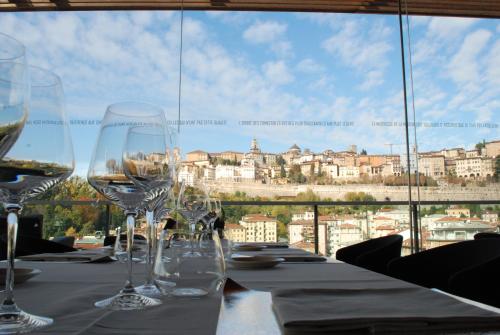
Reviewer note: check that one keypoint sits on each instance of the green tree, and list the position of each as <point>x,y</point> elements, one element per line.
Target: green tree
<point>481,145</point>
<point>295,175</point>
<point>363,152</point>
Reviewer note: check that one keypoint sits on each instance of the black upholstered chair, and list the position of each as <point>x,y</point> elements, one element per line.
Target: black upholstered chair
<point>433,268</point>
<point>480,236</point>
<point>372,254</point>
<point>68,241</point>
<point>479,283</point>
<point>110,240</point>
<point>28,245</point>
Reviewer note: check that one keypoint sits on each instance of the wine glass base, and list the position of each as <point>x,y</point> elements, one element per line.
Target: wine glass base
<point>189,292</point>
<point>15,321</point>
<point>149,290</point>
<point>127,302</point>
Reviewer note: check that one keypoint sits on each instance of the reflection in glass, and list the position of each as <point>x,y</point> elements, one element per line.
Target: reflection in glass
<point>41,158</point>
<point>14,91</point>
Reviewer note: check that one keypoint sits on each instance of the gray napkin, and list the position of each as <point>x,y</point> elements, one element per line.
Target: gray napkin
<point>75,256</point>
<point>414,310</point>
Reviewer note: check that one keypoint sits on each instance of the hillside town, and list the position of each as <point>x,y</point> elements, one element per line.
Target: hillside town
<point>337,231</point>
<point>297,166</point>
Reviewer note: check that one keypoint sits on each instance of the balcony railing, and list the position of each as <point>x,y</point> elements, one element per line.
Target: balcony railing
<point>413,211</point>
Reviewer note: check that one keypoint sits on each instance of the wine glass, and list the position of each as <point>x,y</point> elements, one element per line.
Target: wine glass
<point>14,91</point>
<point>146,162</point>
<point>192,205</point>
<point>180,274</point>
<point>41,158</point>
<point>107,175</point>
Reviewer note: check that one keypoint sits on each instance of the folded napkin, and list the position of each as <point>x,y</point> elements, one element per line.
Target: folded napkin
<point>296,257</point>
<point>86,256</point>
<point>412,310</point>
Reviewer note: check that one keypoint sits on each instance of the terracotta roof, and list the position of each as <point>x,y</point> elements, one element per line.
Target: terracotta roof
<point>301,222</point>
<point>385,228</point>
<point>233,226</point>
<point>257,217</point>
<point>382,218</point>
<point>451,219</point>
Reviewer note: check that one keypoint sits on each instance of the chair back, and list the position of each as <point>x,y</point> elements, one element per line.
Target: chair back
<point>373,254</point>
<point>110,240</point>
<point>480,236</point>
<point>68,241</point>
<point>433,268</point>
<point>27,245</point>
<point>479,283</point>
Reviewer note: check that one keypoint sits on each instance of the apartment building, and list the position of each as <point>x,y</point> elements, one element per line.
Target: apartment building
<point>474,167</point>
<point>260,228</point>
<point>342,235</point>
<point>197,155</point>
<point>303,231</point>
<point>452,229</point>
<point>458,212</point>
<point>432,166</point>
<point>492,149</point>
<point>235,232</point>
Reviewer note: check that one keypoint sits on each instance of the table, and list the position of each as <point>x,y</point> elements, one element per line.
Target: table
<point>67,291</point>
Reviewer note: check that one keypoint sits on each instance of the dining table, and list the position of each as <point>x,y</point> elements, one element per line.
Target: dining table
<point>66,292</point>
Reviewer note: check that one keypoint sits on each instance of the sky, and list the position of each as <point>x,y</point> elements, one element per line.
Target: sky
<point>332,80</point>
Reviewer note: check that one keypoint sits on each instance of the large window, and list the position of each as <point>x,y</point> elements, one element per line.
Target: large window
<point>295,106</point>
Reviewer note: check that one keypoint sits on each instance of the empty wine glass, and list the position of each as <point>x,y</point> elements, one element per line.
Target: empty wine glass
<point>192,206</point>
<point>41,158</point>
<point>14,91</point>
<point>107,175</point>
<point>146,162</point>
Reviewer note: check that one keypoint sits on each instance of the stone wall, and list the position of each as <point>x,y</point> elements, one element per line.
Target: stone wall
<point>394,193</point>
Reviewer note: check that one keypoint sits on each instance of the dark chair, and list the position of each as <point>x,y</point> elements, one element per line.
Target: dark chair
<point>68,241</point>
<point>479,283</point>
<point>433,268</point>
<point>110,240</point>
<point>27,245</point>
<point>480,236</point>
<point>372,254</point>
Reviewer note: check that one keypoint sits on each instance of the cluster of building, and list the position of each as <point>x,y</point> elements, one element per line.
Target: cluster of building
<point>258,166</point>
<point>476,163</point>
<point>338,231</point>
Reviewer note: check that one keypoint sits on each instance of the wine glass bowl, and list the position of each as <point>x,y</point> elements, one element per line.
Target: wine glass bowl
<point>14,91</point>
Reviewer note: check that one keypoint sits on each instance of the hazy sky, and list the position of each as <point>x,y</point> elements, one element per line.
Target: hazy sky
<point>341,71</point>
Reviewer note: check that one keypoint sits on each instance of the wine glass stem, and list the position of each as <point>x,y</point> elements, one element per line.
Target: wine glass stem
<point>192,226</point>
<point>150,241</point>
<point>12,220</point>
<point>130,244</point>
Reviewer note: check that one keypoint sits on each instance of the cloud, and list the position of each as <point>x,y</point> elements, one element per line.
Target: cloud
<point>309,66</point>
<point>362,47</point>
<point>277,73</point>
<point>447,28</point>
<point>463,67</point>
<point>270,33</point>
<point>264,32</point>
